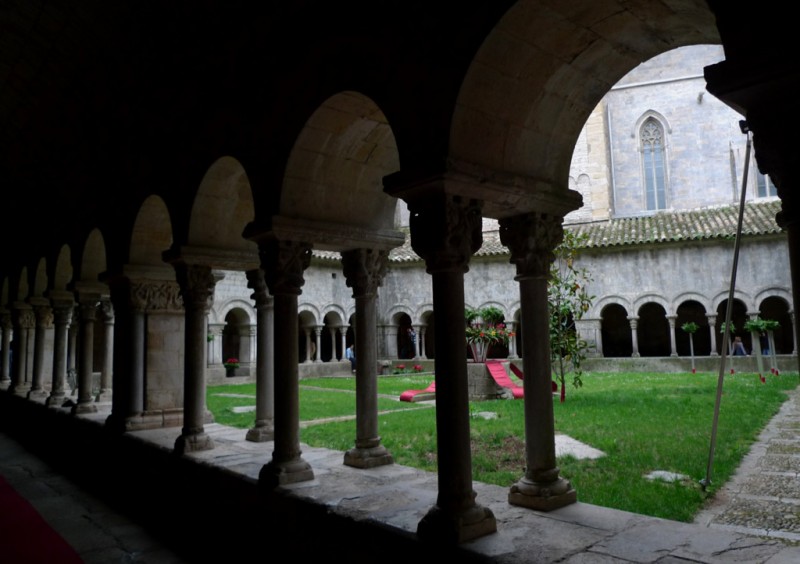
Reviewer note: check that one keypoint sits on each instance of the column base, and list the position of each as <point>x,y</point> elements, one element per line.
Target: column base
<point>56,399</point>
<point>21,391</point>
<point>443,527</point>
<point>85,407</point>
<point>103,396</point>
<point>260,434</point>
<point>194,442</point>
<point>37,395</point>
<point>5,384</point>
<point>274,474</point>
<point>542,496</point>
<point>367,457</point>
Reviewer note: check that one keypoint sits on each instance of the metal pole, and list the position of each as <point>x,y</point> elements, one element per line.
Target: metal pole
<point>707,480</point>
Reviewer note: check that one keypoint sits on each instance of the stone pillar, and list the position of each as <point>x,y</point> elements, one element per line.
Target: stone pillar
<point>5,361</point>
<point>343,340</point>
<point>307,331</point>
<point>44,320</point>
<point>794,334</point>
<point>264,427</point>
<point>512,341</point>
<point>445,232</point>
<point>417,340</point>
<point>283,263</point>
<point>364,270</point>
<point>106,371</point>
<point>87,303</point>
<point>673,346</point>
<point>532,239</point>
<point>712,326</point>
<point>318,343</point>
<point>62,317</point>
<point>423,353</point>
<point>72,350</point>
<point>197,289</point>
<point>214,341</point>
<point>24,321</point>
<point>390,331</point>
<point>634,321</point>
<point>129,304</point>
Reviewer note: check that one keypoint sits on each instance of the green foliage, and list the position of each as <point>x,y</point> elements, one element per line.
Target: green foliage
<point>690,327</point>
<point>485,328</point>
<point>761,326</point>
<point>568,300</point>
<point>722,328</point>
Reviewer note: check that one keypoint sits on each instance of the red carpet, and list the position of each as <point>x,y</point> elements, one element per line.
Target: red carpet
<point>408,395</point>
<point>500,376</point>
<point>25,537</point>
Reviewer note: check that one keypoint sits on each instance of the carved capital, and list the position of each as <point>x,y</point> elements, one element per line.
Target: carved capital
<point>446,231</point>
<point>44,316</point>
<point>63,314</point>
<point>155,296</point>
<point>258,283</point>
<point>88,311</point>
<point>532,239</point>
<point>197,284</point>
<point>5,320</point>
<point>364,270</point>
<point>25,318</point>
<point>107,310</point>
<point>283,263</point>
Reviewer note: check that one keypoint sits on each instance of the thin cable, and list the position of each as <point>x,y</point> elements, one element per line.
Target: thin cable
<point>725,335</point>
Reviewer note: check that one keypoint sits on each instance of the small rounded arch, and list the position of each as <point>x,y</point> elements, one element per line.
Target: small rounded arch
<point>40,281</point>
<point>93,258</point>
<point>613,299</point>
<point>151,234</point>
<point>649,298</point>
<point>242,307</point>
<point>62,274</point>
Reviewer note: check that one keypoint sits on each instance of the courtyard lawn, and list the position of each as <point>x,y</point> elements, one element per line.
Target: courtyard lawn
<point>643,422</point>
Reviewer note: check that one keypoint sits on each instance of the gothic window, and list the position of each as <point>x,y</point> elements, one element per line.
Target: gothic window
<point>651,137</point>
<point>764,186</point>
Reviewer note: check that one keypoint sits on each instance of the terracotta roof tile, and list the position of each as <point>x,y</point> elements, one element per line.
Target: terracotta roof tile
<point>716,222</point>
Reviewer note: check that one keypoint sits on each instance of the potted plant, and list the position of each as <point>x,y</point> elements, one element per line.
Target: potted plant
<point>484,329</point>
<point>231,365</point>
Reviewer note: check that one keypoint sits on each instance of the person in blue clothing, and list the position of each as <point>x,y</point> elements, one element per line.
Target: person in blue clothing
<point>350,353</point>
<point>738,347</point>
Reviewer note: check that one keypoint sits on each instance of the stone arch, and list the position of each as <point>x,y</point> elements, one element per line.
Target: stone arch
<point>335,170</point>
<point>738,318</point>
<point>598,306</point>
<point>778,307</point>
<point>236,338</point>
<point>333,320</point>
<point>40,279</point>
<point>307,322</point>
<point>615,328</point>
<point>533,135</point>
<point>652,298</point>
<point>222,208</point>
<point>62,272</point>
<point>692,310</point>
<point>151,235</point>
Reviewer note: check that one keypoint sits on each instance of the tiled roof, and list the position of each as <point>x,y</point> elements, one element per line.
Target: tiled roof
<point>717,222</point>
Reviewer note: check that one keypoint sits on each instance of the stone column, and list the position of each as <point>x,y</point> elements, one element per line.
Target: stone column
<point>446,232</point>
<point>423,353</point>
<point>364,270</point>
<point>214,341</point>
<point>62,317</point>
<point>88,308</point>
<point>283,263</point>
<point>417,340</point>
<point>673,346</point>
<point>598,331</point>
<point>391,341</point>
<point>794,334</point>
<point>24,321</point>
<point>318,343</point>
<point>343,340</point>
<point>72,350</point>
<point>197,290</point>
<point>532,239</point>
<point>634,322</point>
<point>44,320</point>
<point>106,371</point>
<point>129,304</point>
<point>5,361</point>
<point>712,326</point>
<point>264,427</point>
<point>512,342</point>
<point>307,331</point>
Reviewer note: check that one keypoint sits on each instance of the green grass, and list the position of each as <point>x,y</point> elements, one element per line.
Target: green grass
<point>642,421</point>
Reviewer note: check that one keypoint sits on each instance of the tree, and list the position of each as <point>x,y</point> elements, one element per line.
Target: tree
<point>691,327</point>
<point>568,300</point>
